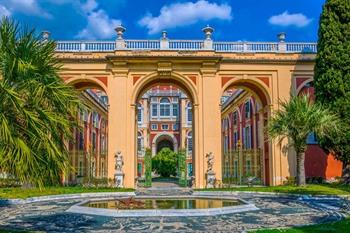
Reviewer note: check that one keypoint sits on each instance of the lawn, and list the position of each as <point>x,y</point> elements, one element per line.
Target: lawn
<point>313,189</point>
<point>341,226</point>
<point>8,193</point>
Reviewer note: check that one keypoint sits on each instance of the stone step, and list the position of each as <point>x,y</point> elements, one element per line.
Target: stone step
<point>163,191</point>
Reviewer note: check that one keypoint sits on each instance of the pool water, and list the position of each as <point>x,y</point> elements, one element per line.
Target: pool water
<point>163,203</point>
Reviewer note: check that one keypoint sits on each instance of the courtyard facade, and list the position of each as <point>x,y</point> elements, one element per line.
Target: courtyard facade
<point>205,71</point>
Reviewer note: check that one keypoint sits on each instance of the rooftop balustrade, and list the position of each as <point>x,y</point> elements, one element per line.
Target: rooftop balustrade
<point>184,45</point>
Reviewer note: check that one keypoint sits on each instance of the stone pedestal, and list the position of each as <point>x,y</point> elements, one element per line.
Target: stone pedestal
<point>211,179</point>
<point>119,179</point>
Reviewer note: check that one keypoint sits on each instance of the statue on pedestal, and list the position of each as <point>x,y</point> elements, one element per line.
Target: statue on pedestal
<point>119,175</point>
<point>210,173</point>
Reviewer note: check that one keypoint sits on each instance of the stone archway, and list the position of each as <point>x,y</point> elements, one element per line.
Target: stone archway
<point>183,83</point>
<point>83,83</point>
<point>261,92</point>
<point>166,137</point>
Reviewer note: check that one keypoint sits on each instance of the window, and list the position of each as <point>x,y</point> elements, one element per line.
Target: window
<point>226,143</point>
<point>81,141</point>
<point>154,126</point>
<point>139,142</point>
<point>103,144</point>
<point>176,126</point>
<point>247,109</point>
<point>235,118</point>
<point>175,110</point>
<point>154,110</point>
<point>93,141</point>
<point>164,109</point>
<point>95,119</point>
<point>83,115</point>
<point>235,139</point>
<point>189,113</point>
<point>165,127</point>
<point>189,143</point>
<point>247,137</point>
<point>139,113</point>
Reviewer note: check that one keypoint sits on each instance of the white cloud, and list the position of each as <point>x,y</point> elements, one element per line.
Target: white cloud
<point>29,7</point>
<point>99,24</point>
<point>4,11</point>
<point>89,6</point>
<point>286,19</point>
<point>184,14</point>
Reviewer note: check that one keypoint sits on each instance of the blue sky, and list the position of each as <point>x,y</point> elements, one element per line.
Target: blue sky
<point>233,20</point>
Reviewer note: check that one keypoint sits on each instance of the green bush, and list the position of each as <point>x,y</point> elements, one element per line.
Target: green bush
<point>290,180</point>
<point>165,162</point>
<point>314,180</point>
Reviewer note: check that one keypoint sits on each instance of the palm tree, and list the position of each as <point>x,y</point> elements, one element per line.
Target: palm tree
<point>37,110</point>
<point>296,120</point>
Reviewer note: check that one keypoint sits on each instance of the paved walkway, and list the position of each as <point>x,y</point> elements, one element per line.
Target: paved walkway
<point>274,211</point>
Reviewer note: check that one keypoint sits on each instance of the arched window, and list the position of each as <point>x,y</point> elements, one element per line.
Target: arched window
<point>247,109</point>
<point>95,119</point>
<point>164,108</point>
<point>189,143</point>
<point>139,113</point>
<point>189,113</point>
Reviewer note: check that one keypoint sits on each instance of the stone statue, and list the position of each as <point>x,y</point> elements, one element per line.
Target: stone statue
<point>118,161</point>
<point>119,175</point>
<point>210,162</point>
<point>211,179</point>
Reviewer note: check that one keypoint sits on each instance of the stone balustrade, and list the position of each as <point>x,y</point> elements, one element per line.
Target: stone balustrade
<point>207,44</point>
<point>186,45</point>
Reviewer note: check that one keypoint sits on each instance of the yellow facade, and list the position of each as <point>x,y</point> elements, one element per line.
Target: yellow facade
<point>203,75</point>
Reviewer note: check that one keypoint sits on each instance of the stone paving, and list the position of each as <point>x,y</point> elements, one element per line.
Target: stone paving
<point>274,211</point>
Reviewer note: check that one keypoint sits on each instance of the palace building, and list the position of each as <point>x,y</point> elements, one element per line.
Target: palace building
<point>88,150</point>
<point>164,117</point>
<point>213,99</point>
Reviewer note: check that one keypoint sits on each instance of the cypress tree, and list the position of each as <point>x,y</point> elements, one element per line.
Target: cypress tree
<point>332,75</point>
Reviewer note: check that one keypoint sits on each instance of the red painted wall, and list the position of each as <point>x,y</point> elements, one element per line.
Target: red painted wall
<point>319,164</point>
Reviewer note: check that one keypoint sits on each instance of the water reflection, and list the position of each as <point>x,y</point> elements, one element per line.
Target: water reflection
<point>189,203</point>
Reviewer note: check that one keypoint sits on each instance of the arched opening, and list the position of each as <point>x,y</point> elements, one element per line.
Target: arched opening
<point>166,119</point>
<point>245,145</point>
<point>165,143</point>
<point>88,148</point>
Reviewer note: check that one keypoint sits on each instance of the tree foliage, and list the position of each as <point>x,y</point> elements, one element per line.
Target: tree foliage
<point>164,162</point>
<point>148,167</point>
<point>37,110</point>
<point>332,72</point>
<point>182,167</point>
<point>296,120</point>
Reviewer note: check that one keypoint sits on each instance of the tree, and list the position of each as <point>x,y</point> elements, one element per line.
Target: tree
<point>296,120</point>
<point>148,167</point>
<point>37,110</point>
<point>181,155</point>
<point>164,162</point>
<point>332,74</point>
